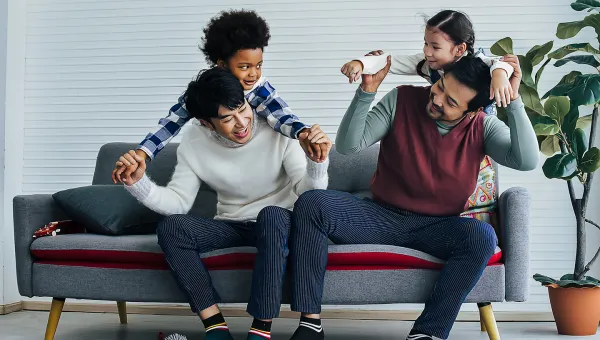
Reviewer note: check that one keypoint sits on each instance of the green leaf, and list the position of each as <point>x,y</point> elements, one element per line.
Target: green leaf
<point>544,279</point>
<point>531,99</point>
<point>570,29</point>
<point>579,59</point>
<point>570,122</point>
<point>537,53</point>
<point>550,146</point>
<point>502,47</point>
<point>591,160</point>
<point>544,126</point>
<point>526,71</point>
<point>580,144</point>
<point>558,90</point>
<point>582,5</point>
<point>557,108</point>
<point>571,48</point>
<point>586,89</point>
<point>560,166</point>
<point>584,122</point>
<point>538,74</point>
<point>569,78</point>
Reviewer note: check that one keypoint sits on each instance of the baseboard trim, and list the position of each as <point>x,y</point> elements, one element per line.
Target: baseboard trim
<point>149,309</point>
<point>11,308</point>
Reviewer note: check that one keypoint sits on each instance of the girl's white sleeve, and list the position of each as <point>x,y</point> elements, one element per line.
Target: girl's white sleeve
<point>401,64</point>
<point>495,63</point>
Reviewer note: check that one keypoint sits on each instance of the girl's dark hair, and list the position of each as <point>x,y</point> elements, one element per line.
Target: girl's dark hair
<point>457,26</point>
<point>231,31</point>
<point>213,88</point>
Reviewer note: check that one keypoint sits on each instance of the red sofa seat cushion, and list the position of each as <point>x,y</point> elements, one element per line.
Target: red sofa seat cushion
<point>143,252</point>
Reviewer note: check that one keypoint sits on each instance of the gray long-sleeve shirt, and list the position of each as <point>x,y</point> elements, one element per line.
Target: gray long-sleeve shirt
<point>514,146</point>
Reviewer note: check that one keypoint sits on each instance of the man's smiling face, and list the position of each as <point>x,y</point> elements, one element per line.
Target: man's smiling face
<point>449,100</point>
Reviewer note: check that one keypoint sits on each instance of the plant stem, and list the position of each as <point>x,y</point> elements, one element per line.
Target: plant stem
<point>570,184</point>
<point>580,212</point>
<point>589,265</point>
<point>592,223</point>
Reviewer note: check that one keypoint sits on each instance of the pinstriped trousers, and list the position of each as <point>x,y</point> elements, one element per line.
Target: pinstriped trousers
<point>183,238</point>
<point>465,243</point>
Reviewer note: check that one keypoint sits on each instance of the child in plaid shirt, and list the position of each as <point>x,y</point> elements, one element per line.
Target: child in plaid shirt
<point>235,40</point>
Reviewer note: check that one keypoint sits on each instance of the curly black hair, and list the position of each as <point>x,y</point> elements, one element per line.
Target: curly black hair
<point>231,31</point>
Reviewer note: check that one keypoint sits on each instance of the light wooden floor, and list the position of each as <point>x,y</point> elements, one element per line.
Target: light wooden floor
<point>94,326</point>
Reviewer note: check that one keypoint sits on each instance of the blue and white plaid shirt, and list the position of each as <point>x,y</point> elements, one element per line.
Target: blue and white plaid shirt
<point>263,99</point>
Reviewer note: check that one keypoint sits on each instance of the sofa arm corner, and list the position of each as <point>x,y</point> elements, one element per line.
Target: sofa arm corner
<point>514,216</point>
<point>30,212</point>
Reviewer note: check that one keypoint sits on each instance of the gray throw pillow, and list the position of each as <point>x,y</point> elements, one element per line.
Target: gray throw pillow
<point>107,210</point>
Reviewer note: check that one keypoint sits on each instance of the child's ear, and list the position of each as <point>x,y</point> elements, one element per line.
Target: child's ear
<point>221,63</point>
<point>461,49</point>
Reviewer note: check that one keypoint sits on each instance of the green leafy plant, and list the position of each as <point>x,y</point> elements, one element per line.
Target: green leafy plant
<point>557,122</point>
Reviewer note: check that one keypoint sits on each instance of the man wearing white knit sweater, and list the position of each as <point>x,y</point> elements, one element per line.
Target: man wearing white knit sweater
<point>257,173</point>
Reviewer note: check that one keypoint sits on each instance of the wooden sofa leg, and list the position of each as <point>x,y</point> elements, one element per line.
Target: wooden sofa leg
<point>55,311</point>
<point>488,321</point>
<point>122,307</point>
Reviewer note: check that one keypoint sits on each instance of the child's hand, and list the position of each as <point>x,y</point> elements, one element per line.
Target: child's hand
<point>501,88</point>
<point>131,163</point>
<point>515,78</point>
<point>352,70</point>
<point>315,143</point>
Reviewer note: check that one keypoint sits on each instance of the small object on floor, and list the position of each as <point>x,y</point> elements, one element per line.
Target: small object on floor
<point>260,330</point>
<point>309,329</point>
<point>174,336</point>
<point>413,335</point>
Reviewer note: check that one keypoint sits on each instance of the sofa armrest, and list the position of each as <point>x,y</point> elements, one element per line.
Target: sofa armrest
<point>514,207</point>
<point>30,213</point>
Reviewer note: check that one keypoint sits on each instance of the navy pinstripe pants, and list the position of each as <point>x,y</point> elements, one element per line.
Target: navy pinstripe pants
<point>466,244</point>
<point>183,238</point>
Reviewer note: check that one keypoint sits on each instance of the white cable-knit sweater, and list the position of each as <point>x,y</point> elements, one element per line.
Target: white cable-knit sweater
<point>270,169</point>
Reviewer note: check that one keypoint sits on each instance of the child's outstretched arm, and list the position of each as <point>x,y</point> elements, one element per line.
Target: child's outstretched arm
<point>375,61</point>
<point>168,127</point>
<point>267,103</point>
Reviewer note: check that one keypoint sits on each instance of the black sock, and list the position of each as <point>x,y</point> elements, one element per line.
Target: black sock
<point>416,335</point>
<point>309,329</point>
<point>216,328</point>
<point>260,330</point>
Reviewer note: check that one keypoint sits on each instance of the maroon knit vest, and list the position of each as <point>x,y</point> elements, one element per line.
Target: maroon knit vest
<point>421,171</point>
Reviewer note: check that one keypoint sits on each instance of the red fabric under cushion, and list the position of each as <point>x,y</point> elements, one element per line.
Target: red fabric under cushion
<point>148,260</point>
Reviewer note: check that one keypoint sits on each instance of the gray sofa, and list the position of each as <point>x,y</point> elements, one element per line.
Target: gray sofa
<point>132,268</point>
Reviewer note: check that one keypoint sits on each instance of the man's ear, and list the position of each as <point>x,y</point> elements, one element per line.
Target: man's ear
<point>207,124</point>
<point>474,114</point>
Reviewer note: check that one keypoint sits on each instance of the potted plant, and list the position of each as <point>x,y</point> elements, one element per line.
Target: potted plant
<point>572,156</point>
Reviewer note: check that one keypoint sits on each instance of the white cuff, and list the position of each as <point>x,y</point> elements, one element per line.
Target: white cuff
<point>316,170</point>
<point>374,63</point>
<point>141,189</point>
<point>502,65</point>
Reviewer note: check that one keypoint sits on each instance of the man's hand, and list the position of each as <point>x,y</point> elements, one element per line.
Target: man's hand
<point>315,143</point>
<point>371,82</point>
<point>515,79</point>
<point>130,167</point>
<point>501,88</point>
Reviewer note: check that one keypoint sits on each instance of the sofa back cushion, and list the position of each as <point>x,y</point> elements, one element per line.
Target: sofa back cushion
<point>346,173</point>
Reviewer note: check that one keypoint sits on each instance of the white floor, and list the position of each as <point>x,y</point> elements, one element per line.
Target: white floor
<point>88,326</point>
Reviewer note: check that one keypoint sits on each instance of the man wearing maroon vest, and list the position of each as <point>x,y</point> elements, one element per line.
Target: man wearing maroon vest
<point>433,140</point>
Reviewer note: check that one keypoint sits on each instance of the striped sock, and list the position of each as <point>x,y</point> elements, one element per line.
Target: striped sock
<point>415,335</point>
<point>260,330</point>
<point>216,328</point>
<point>309,329</point>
